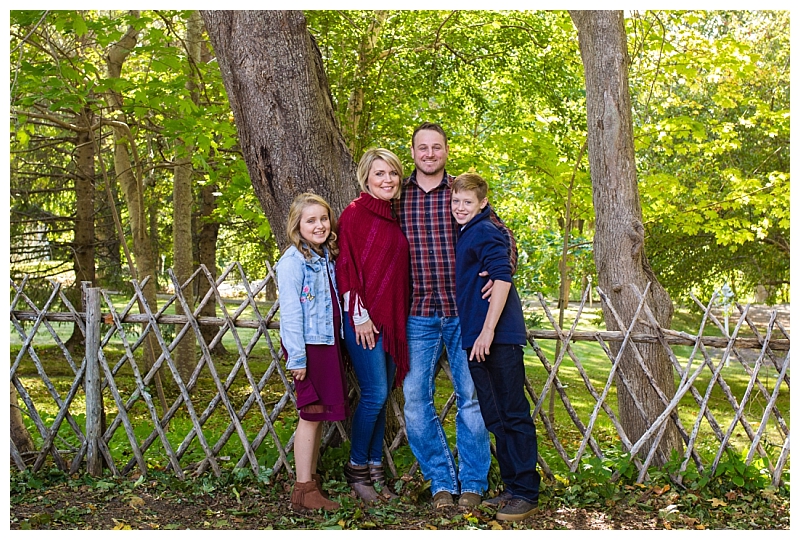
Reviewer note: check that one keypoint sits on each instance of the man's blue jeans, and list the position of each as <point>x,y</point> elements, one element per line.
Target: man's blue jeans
<point>500,382</point>
<point>375,373</point>
<point>426,337</point>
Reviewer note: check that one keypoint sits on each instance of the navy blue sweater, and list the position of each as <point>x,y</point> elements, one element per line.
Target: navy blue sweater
<point>481,246</point>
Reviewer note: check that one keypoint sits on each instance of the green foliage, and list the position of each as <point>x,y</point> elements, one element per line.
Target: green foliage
<point>506,86</point>
<point>59,70</point>
<point>711,104</point>
<point>710,94</point>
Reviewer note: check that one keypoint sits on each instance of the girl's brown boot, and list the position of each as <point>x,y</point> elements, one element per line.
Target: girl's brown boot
<point>318,480</point>
<point>306,496</point>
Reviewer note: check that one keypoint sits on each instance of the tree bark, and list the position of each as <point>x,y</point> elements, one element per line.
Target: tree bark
<point>282,106</point>
<point>128,172</point>
<point>19,434</point>
<point>281,103</point>
<point>182,202</point>
<point>83,244</point>
<point>619,235</point>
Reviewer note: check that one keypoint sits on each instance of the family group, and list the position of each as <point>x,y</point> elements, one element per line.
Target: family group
<point>414,266</point>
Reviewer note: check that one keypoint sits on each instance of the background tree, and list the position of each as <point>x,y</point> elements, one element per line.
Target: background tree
<point>182,199</point>
<point>619,234</point>
<point>69,196</point>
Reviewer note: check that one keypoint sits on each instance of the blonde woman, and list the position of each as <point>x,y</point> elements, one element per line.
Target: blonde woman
<point>373,276</point>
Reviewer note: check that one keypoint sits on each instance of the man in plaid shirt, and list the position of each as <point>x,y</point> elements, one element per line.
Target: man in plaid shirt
<point>431,230</point>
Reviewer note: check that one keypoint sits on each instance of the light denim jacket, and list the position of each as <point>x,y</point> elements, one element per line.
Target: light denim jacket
<point>305,303</point>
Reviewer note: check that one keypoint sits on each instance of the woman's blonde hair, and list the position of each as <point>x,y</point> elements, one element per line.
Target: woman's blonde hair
<point>300,203</point>
<point>369,157</point>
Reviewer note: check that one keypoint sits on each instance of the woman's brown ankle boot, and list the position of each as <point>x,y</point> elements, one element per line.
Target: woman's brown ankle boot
<point>360,482</point>
<point>306,496</point>
<point>377,477</point>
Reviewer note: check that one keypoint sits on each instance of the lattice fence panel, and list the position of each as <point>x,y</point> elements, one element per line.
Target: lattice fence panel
<point>239,408</point>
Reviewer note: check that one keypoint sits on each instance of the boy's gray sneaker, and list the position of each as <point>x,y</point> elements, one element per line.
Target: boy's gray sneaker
<point>504,496</point>
<point>516,510</point>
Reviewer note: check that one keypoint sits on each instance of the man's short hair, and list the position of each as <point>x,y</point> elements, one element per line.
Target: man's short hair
<point>471,182</point>
<point>431,126</point>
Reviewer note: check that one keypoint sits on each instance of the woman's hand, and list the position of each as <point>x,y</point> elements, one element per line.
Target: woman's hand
<point>365,334</point>
<point>299,374</point>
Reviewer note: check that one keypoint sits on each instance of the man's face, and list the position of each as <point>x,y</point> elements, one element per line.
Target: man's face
<point>429,152</point>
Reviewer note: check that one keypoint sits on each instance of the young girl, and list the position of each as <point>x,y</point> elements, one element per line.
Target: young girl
<point>310,330</point>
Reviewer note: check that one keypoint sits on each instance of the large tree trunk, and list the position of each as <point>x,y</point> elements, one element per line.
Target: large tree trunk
<point>182,202</point>
<point>619,234</point>
<point>281,102</point>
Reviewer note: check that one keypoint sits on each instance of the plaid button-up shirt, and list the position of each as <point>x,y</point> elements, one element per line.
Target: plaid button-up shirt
<point>432,231</point>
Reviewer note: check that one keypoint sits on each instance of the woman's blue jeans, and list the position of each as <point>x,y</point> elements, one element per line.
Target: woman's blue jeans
<point>375,371</point>
<point>426,337</point>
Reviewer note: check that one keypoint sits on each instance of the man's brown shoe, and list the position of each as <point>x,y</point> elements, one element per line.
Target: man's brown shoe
<point>516,510</point>
<point>469,499</point>
<point>442,499</point>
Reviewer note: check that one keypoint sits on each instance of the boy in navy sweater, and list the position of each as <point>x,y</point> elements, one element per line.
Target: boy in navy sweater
<point>493,334</point>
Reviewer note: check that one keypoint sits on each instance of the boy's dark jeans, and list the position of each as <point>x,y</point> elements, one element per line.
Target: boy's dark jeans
<point>500,382</point>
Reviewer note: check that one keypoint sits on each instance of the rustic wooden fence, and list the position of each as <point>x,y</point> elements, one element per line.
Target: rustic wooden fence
<point>254,397</point>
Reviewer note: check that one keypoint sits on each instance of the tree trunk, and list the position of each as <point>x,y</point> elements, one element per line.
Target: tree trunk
<point>128,171</point>
<point>19,434</point>
<point>83,244</point>
<point>182,205</point>
<point>281,102</point>
<point>107,241</point>
<point>207,233</point>
<point>619,234</point>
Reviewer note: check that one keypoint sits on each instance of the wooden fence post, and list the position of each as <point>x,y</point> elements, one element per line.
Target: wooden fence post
<point>94,400</point>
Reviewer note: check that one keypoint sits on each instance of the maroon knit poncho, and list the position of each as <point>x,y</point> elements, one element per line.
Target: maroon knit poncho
<point>373,264</point>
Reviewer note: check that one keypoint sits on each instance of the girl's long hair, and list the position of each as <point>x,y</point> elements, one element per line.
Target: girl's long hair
<point>293,224</point>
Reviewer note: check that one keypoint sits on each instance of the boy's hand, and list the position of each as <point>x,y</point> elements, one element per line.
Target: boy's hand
<point>486,290</point>
<point>299,374</point>
<point>481,346</point>
<point>365,334</point>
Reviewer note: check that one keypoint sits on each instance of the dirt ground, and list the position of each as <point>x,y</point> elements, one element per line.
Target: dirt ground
<point>251,510</point>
